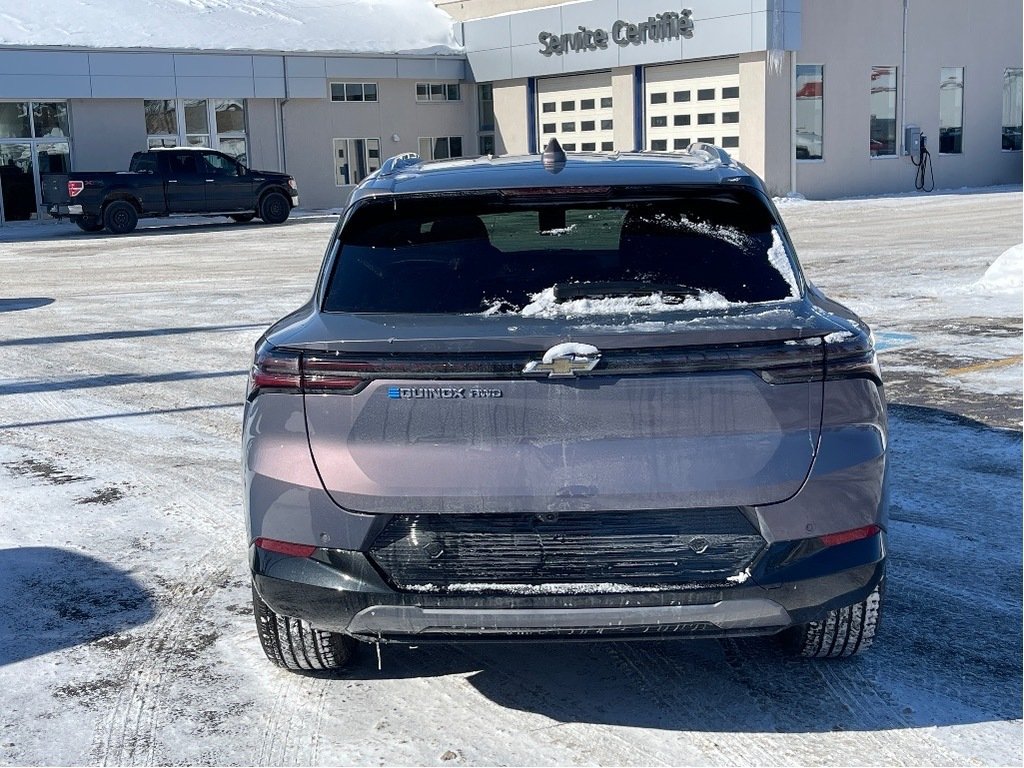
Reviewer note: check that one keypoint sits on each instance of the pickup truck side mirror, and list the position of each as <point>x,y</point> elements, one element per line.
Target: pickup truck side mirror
<point>242,170</point>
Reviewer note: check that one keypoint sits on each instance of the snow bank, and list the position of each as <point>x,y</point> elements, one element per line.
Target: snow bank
<point>356,26</point>
<point>1006,275</point>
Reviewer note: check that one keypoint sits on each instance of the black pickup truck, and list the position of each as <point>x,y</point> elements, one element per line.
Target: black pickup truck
<point>169,182</point>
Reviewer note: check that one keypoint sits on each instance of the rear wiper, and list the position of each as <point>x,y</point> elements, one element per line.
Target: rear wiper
<point>607,289</point>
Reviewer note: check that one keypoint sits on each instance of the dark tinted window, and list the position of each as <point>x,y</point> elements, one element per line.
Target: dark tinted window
<point>659,121</point>
<point>680,120</point>
<point>681,96</point>
<point>731,93</point>
<point>415,255</point>
<point>705,94</point>
<point>658,98</point>
<point>182,165</point>
<point>587,104</point>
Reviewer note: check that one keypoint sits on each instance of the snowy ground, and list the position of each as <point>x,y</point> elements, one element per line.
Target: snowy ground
<point>125,631</point>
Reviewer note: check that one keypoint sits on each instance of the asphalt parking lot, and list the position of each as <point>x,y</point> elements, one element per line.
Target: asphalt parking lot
<point>125,630</point>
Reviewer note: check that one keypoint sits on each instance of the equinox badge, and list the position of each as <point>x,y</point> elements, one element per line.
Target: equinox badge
<point>564,361</point>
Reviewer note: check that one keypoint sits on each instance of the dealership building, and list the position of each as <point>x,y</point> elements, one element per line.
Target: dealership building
<point>825,98</point>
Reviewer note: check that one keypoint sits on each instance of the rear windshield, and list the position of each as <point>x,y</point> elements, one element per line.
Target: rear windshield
<point>466,256</point>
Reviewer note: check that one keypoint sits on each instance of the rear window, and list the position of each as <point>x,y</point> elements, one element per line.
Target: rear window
<point>511,256</point>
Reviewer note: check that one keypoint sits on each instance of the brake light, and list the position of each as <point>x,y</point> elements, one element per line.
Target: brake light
<point>294,371</point>
<point>845,537</point>
<point>291,183</point>
<point>285,547</point>
<point>75,188</point>
<point>851,356</point>
<point>326,374</point>
<point>274,369</point>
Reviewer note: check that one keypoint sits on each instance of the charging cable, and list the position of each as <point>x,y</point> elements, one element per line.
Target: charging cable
<point>924,166</point>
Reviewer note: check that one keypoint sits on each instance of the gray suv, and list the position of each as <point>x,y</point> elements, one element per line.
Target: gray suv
<point>542,396</point>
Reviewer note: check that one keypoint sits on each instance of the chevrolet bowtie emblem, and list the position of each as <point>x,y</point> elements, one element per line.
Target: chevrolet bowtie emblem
<point>565,361</point>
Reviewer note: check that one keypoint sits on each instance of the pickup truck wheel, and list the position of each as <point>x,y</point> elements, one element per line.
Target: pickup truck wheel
<point>120,217</point>
<point>293,644</point>
<point>89,223</point>
<point>274,208</point>
<point>242,218</point>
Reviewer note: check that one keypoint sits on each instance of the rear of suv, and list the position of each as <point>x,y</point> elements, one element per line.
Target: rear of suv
<point>541,397</point>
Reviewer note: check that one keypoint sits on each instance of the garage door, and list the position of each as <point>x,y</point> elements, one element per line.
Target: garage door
<point>577,110</point>
<point>697,101</point>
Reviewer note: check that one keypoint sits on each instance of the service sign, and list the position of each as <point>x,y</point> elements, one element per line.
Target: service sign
<point>664,26</point>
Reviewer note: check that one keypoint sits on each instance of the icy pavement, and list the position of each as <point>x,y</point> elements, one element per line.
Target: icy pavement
<point>125,628</point>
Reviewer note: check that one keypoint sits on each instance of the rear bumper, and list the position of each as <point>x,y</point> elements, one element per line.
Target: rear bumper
<point>59,211</point>
<point>341,591</point>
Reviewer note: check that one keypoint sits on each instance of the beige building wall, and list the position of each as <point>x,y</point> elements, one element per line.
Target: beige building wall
<point>510,117</point>
<point>983,38</point>
<point>397,119</point>
<point>765,122</point>
<point>623,96</point>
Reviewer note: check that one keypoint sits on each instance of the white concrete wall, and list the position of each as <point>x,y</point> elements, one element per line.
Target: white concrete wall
<point>984,38</point>
<point>510,117</point>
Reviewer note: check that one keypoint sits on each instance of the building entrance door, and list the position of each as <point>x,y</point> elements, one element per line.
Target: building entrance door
<point>21,163</point>
<point>17,181</point>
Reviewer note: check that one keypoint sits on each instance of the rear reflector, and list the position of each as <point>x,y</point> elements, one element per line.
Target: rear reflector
<point>845,537</point>
<point>75,188</point>
<point>285,547</point>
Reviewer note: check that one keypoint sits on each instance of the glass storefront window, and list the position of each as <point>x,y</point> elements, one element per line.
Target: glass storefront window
<point>235,148</point>
<point>196,119</point>
<point>14,120</point>
<point>230,115</point>
<point>810,113</point>
<point>1012,112</point>
<point>54,158</point>
<point>882,138</point>
<point>161,117</point>
<point>50,118</point>
<point>951,111</point>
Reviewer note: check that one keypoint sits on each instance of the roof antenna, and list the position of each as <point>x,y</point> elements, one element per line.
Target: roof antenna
<point>554,156</point>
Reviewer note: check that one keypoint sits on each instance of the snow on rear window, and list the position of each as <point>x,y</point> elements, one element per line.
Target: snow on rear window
<point>779,259</point>
<point>545,305</point>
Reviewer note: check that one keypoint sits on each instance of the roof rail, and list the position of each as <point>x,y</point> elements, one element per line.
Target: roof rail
<point>712,152</point>
<point>395,164</point>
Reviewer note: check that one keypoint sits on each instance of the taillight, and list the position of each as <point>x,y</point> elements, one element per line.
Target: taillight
<point>294,371</point>
<point>291,183</point>
<point>327,374</point>
<point>845,537</point>
<point>285,547</point>
<point>75,188</point>
<point>276,369</point>
<point>851,356</point>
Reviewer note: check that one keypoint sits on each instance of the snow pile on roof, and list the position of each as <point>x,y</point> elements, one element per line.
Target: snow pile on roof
<point>352,26</point>
<point>1006,275</point>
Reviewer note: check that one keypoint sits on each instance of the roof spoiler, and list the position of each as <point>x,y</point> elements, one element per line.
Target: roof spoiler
<point>395,164</point>
<point>713,153</point>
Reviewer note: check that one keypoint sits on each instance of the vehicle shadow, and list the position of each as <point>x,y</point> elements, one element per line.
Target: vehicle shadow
<point>19,305</point>
<point>949,650</point>
<point>53,598</point>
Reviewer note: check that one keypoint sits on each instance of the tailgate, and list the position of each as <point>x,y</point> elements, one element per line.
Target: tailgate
<point>55,188</point>
<point>645,429</point>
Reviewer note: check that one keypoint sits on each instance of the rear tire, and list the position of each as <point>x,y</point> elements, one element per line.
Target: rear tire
<point>842,633</point>
<point>89,223</point>
<point>242,218</point>
<point>295,645</point>
<point>120,217</point>
<point>274,208</point>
